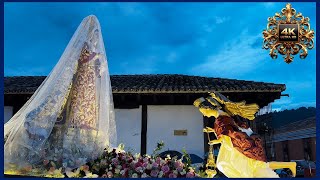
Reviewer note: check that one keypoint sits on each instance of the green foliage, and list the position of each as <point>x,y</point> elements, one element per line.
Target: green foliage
<point>158,148</point>
<point>121,146</point>
<point>202,174</point>
<point>187,157</point>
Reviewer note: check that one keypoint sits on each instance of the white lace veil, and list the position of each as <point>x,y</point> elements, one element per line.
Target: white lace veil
<point>69,120</point>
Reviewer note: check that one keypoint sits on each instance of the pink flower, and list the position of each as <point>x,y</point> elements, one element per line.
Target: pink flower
<point>179,169</point>
<point>158,160</point>
<point>189,175</point>
<point>178,164</point>
<point>165,169</point>
<point>51,169</point>
<point>110,174</point>
<point>171,175</point>
<point>144,165</point>
<point>86,168</point>
<point>155,165</point>
<point>45,162</point>
<point>154,173</point>
<point>145,159</point>
<point>115,161</point>
<point>138,164</point>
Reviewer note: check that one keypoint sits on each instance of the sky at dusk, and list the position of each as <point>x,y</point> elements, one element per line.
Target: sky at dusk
<point>204,39</point>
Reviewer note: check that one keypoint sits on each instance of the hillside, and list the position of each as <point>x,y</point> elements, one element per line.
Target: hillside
<point>281,118</point>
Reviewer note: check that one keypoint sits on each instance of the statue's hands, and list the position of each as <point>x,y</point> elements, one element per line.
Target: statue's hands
<point>209,130</point>
<point>216,141</point>
<point>100,65</point>
<point>97,56</point>
<point>212,95</point>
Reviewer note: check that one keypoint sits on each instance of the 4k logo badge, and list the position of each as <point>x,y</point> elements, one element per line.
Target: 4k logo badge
<point>288,33</point>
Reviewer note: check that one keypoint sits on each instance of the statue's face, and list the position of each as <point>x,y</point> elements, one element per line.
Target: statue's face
<point>209,112</point>
<point>93,41</point>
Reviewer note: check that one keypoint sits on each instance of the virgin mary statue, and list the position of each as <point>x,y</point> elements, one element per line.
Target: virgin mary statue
<point>69,120</point>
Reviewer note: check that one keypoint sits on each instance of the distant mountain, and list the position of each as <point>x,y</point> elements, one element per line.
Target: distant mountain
<point>281,118</point>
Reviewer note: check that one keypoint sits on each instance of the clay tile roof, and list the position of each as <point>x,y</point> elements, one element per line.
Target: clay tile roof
<point>154,83</point>
<point>297,125</point>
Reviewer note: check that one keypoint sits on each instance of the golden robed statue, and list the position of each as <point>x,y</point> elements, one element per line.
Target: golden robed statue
<point>241,154</point>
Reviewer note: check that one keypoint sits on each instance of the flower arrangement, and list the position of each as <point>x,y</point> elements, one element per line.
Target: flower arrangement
<point>116,163</point>
<point>120,164</point>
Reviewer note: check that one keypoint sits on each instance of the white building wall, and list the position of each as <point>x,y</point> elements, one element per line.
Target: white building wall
<point>163,120</point>
<point>128,122</point>
<point>7,113</point>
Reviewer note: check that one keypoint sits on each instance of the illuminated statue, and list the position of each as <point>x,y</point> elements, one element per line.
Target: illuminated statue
<point>241,153</point>
<point>69,120</point>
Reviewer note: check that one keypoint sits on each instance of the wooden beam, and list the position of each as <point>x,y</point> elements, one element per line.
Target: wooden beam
<point>144,123</point>
<point>171,99</point>
<point>188,99</point>
<point>123,99</point>
<point>138,98</point>
<point>155,99</point>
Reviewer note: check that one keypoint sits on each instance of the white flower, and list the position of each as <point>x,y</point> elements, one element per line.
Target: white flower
<point>145,159</point>
<point>137,155</point>
<point>90,175</point>
<point>134,175</point>
<point>71,174</point>
<point>139,169</point>
<point>162,162</point>
<point>160,174</point>
<point>183,172</point>
<point>135,161</point>
<point>120,151</point>
<point>149,166</point>
<point>175,172</point>
<point>122,172</point>
<point>144,175</point>
<point>117,171</point>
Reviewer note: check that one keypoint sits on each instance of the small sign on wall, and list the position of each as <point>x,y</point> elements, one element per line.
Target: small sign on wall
<point>183,132</point>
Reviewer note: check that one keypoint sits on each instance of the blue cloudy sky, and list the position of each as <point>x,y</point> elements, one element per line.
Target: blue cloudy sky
<point>206,39</point>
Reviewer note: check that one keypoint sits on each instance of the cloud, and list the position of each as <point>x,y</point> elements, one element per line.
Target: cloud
<point>172,57</point>
<point>268,4</point>
<point>143,38</point>
<point>22,71</point>
<point>220,20</point>
<point>142,66</point>
<point>297,105</point>
<point>131,9</point>
<point>236,57</point>
<point>282,101</point>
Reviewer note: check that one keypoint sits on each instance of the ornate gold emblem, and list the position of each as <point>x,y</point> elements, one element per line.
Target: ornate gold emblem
<point>288,33</point>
